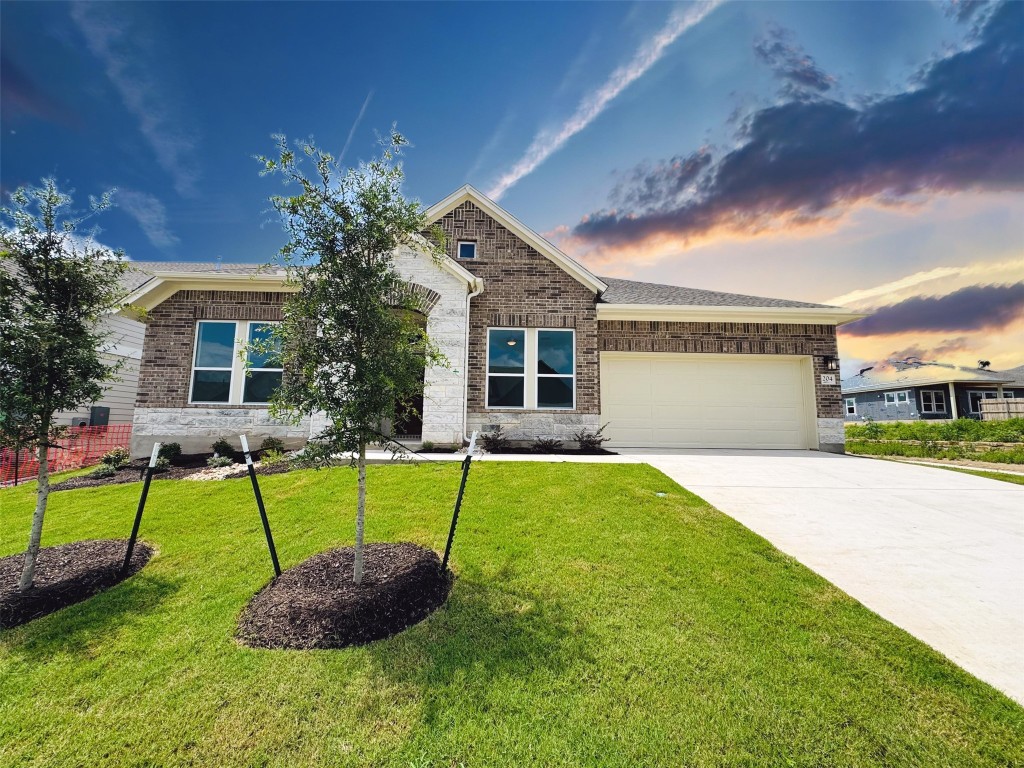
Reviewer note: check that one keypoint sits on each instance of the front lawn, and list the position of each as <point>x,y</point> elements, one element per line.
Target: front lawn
<point>592,623</point>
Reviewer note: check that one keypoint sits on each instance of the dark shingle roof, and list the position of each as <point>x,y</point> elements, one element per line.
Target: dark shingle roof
<point>634,292</point>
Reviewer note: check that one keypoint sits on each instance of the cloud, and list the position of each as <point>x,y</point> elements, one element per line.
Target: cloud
<point>973,308</point>
<point>800,74</point>
<point>124,55</point>
<point>150,214</point>
<point>19,94</point>
<point>593,104</point>
<point>355,125</point>
<point>806,162</point>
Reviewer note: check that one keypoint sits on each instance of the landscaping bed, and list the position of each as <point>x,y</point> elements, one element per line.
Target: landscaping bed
<point>316,604</point>
<point>64,575</point>
<point>184,467</point>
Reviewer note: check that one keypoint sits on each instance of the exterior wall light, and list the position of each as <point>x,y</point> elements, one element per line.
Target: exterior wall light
<point>831,363</point>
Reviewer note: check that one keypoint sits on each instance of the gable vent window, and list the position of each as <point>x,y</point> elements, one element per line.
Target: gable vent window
<point>466,249</point>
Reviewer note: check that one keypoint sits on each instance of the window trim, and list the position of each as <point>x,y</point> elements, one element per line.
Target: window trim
<point>236,385</point>
<point>934,408</point>
<point>458,250</point>
<point>194,367</point>
<point>848,403</point>
<point>531,377</point>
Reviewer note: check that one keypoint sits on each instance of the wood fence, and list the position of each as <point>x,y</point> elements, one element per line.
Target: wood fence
<point>1002,408</point>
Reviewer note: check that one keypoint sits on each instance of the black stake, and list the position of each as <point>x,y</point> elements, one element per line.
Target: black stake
<point>138,512</point>
<point>259,503</point>
<point>458,502</point>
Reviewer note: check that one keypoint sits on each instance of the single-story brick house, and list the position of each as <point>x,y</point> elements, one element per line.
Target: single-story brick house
<point>536,342</point>
<point>911,390</point>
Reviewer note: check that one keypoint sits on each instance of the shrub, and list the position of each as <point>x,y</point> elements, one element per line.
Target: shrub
<point>170,451</point>
<point>963,430</point>
<point>427,445</point>
<point>591,442</point>
<point>219,461</point>
<point>162,464</point>
<point>271,456</point>
<point>496,441</point>
<point>116,458</point>
<point>222,447</point>
<point>272,444</point>
<point>546,445</point>
<point>106,469</point>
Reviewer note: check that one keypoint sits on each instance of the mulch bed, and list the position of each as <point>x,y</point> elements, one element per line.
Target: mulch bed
<point>65,575</point>
<point>316,604</point>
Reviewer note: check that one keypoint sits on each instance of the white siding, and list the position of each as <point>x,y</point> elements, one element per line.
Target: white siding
<point>125,343</point>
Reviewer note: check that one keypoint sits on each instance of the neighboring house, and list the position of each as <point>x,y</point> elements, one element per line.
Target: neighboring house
<point>536,343</point>
<point>926,390</point>
<point>117,405</point>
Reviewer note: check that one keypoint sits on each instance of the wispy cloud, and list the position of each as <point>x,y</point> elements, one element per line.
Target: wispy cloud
<point>150,214</point>
<point>124,56</point>
<point>547,143</point>
<point>355,125</point>
<point>800,74</point>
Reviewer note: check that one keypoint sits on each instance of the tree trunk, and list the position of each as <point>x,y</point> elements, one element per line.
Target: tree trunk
<point>357,570</point>
<point>42,494</point>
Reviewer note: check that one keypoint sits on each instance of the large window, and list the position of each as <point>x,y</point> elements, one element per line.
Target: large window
<point>933,401</point>
<point>218,373</point>
<point>531,368</point>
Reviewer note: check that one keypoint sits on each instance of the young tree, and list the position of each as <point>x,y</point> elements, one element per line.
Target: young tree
<point>349,341</point>
<point>54,288</point>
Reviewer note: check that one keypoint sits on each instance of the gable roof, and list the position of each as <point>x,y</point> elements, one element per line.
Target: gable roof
<point>469,193</point>
<point>635,292</point>
<point>925,374</point>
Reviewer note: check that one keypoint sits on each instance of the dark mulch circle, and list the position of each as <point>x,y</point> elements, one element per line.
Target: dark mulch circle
<point>64,575</point>
<point>316,604</point>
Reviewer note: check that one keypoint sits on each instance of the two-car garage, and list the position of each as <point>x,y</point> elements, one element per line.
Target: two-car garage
<point>678,400</point>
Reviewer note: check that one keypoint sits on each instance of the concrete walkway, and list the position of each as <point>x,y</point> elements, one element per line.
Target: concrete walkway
<point>940,554</point>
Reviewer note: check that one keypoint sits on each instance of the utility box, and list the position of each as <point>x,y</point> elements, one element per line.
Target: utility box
<point>99,416</point>
<point>79,421</point>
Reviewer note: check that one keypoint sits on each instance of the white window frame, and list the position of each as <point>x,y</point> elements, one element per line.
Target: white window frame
<point>458,250</point>
<point>895,397</point>
<point>236,387</point>
<point>986,394</point>
<point>848,403</point>
<point>530,374</point>
<point>248,334</point>
<point>938,401</point>
<point>231,369</point>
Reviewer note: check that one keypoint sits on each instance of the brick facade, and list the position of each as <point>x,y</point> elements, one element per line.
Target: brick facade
<point>523,289</point>
<point>732,338</point>
<point>170,335</point>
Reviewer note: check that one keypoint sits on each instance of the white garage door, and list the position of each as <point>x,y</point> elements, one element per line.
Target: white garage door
<point>704,401</point>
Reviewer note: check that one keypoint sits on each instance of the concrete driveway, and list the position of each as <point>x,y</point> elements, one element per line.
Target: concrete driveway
<point>938,553</point>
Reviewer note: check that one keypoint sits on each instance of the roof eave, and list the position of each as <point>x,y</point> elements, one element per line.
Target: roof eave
<point>696,313</point>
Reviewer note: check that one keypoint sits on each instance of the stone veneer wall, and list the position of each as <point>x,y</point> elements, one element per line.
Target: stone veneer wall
<point>523,289</point>
<point>815,341</point>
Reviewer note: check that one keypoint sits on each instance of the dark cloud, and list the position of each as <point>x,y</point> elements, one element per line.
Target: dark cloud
<point>648,185</point>
<point>20,95</point>
<point>960,128</point>
<point>800,75</point>
<point>973,308</point>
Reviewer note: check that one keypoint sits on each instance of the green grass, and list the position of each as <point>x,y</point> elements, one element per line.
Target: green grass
<point>970,430</point>
<point>932,451</point>
<point>592,623</point>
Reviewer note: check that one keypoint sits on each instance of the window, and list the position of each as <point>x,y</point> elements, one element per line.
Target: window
<point>933,401</point>
<point>214,360</point>
<point>466,249</point>
<point>975,397</point>
<point>851,406</point>
<point>895,398</point>
<point>506,368</point>
<point>555,369</point>
<point>218,374</point>
<point>531,368</point>
<point>264,374</point>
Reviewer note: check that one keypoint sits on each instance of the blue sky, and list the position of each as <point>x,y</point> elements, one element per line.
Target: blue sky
<point>819,151</point>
